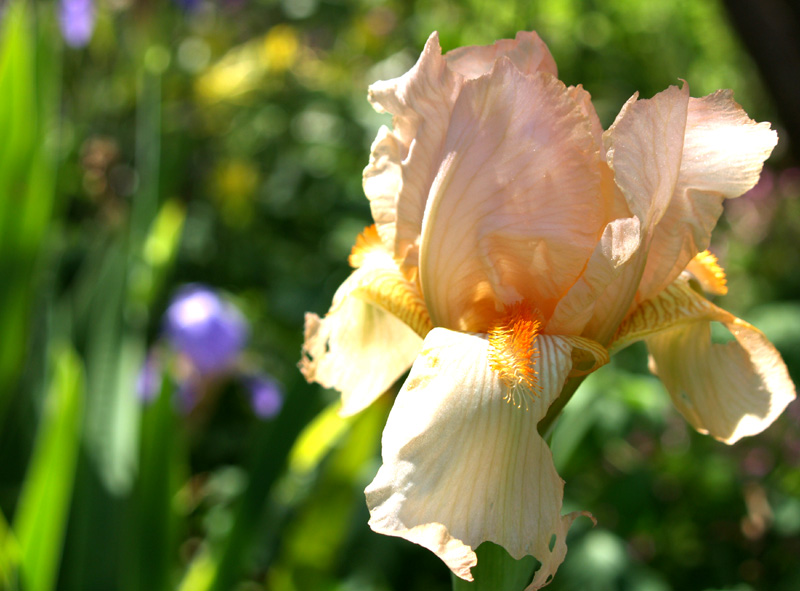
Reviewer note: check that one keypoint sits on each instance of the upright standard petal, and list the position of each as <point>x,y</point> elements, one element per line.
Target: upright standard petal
<point>596,304</point>
<point>372,332</point>
<point>526,51</point>
<point>729,390</point>
<point>516,208</point>
<point>644,147</point>
<point>403,161</point>
<point>462,466</point>
<point>723,154</point>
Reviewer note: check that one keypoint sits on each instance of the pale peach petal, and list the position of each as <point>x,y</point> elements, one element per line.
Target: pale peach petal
<point>338,347</point>
<point>729,390</point>
<point>370,336</point>
<point>404,162</point>
<point>462,466</point>
<point>526,51</point>
<point>723,153</point>
<point>516,208</point>
<point>382,180</point>
<point>584,100</point>
<point>644,148</point>
<point>596,304</point>
<point>421,102</point>
<point>677,305</point>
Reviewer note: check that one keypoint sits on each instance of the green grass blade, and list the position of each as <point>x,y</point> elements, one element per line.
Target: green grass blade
<point>41,518</point>
<point>153,520</point>
<point>9,556</point>
<point>29,74</point>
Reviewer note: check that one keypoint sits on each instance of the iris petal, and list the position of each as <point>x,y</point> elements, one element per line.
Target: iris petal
<point>371,334</point>
<point>729,390</point>
<point>516,208</point>
<point>723,153</point>
<point>462,466</point>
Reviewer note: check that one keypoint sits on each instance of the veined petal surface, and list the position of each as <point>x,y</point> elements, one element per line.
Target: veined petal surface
<point>370,336</point>
<point>405,160</point>
<point>729,390</point>
<point>462,466</point>
<point>597,302</point>
<point>516,208</point>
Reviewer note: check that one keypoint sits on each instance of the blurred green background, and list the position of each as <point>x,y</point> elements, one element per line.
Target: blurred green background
<point>222,142</point>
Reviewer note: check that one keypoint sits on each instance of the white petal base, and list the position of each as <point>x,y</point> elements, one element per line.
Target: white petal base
<point>462,466</point>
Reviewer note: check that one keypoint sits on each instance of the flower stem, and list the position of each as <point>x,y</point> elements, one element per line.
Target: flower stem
<point>547,423</point>
<point>497,571</point>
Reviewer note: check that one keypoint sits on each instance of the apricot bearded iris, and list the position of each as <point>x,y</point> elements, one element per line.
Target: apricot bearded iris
<point>515,244</point>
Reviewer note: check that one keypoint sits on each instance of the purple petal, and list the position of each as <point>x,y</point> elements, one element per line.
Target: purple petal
<point>77,19</point>
<point>208,330</point>
<point>266,397</point>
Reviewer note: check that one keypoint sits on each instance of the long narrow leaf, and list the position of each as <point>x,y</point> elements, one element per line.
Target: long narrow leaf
<point>154,522</point>
<point>41,517</point>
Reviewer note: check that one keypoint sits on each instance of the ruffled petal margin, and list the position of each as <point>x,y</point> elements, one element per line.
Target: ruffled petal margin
<point>723,153</point>
<point>462,466</point>
<point>377,321</point>
<point>728,390</point>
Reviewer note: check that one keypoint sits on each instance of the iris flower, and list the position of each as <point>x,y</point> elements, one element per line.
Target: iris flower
<point>516,245</point>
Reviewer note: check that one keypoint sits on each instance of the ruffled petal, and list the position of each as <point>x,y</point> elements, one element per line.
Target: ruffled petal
<point>526,51</point>
<point>462,466</point>
<point>371,334</point>
<point>728,390</point>
<point>517,208</point>
<point>584,100</point>
<point>644,147</point>
<point>405,159</point>
<point>723,154</point>
<point>382,181</point>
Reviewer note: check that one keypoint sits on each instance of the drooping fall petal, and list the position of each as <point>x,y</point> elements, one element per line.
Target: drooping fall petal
<point>517,196</point>
<point>729,390</point>
<point>462,466</point>
<point>371,334</point>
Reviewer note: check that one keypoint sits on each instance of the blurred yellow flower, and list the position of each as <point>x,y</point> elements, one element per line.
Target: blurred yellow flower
<point>515,242</point>
<point>279,48</point>
<point>235,182</point>
<point>244,68</point>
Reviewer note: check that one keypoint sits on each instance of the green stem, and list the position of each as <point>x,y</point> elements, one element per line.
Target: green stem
<point>497,571</point>
<point>548,422</point>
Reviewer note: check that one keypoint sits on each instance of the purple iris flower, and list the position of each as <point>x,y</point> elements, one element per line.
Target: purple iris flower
<point>76,18</point>
<point>266,397</point>
<point>209,331</point>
